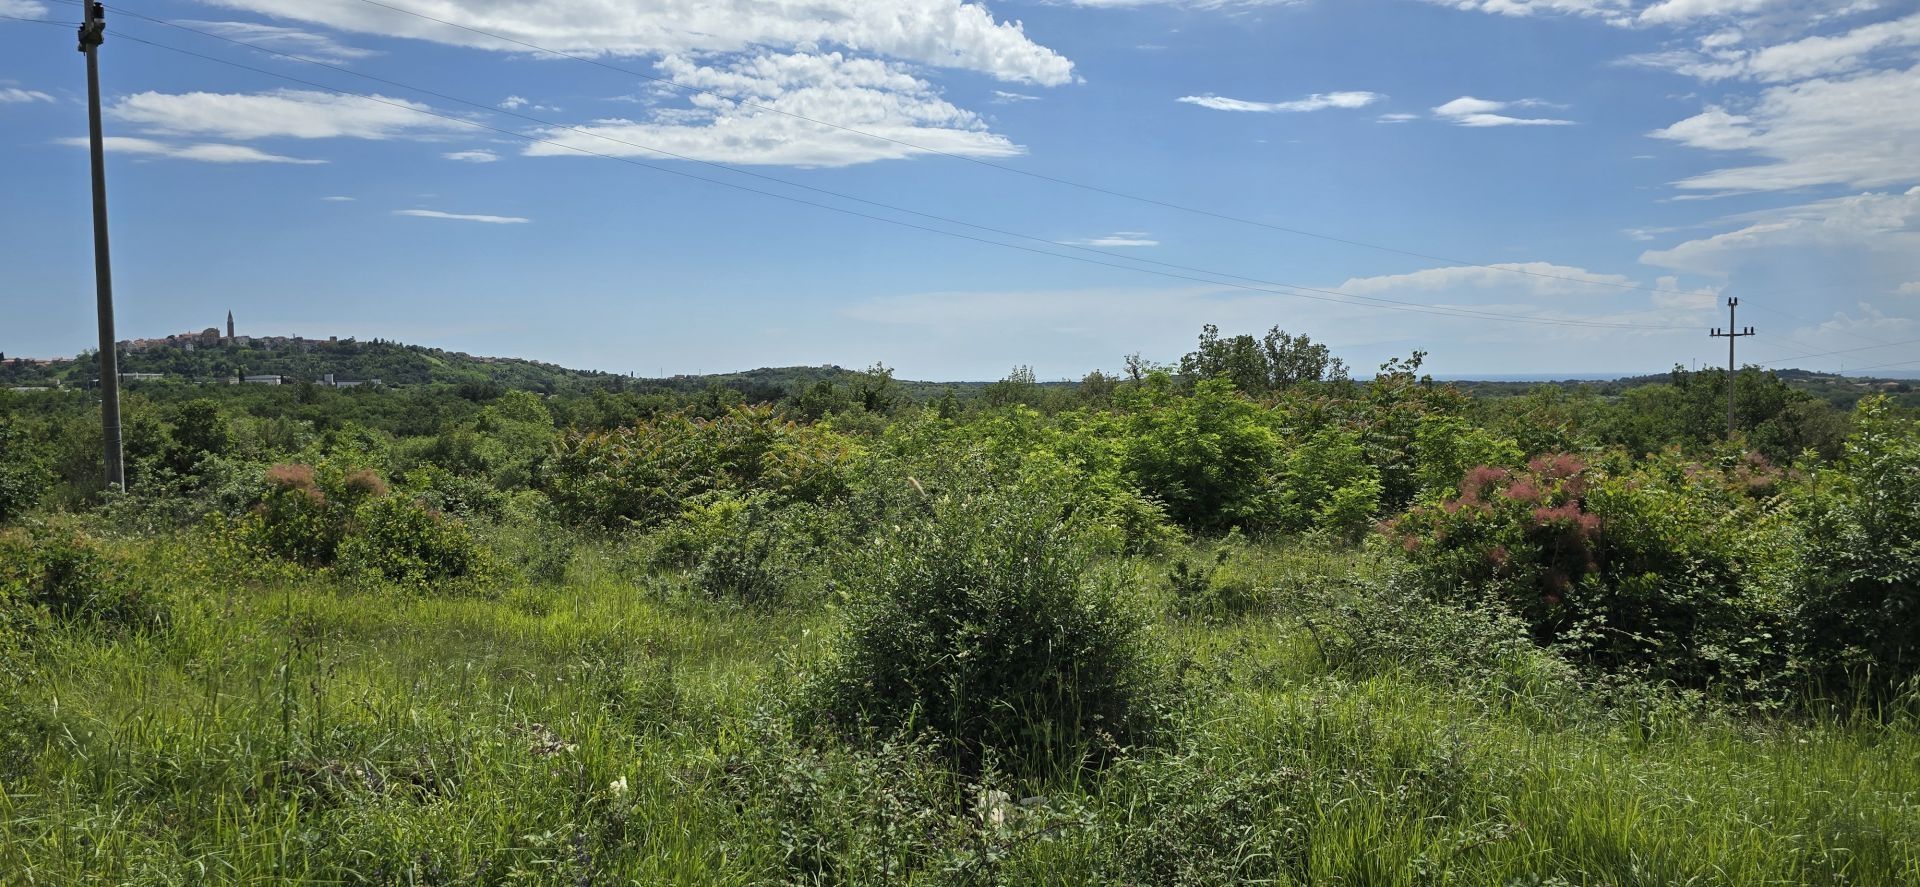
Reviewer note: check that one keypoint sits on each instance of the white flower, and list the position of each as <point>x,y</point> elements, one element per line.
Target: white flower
<point>618,786</point>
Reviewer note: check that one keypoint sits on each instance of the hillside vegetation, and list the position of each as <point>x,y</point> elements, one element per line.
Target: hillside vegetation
<point>1239,620</point>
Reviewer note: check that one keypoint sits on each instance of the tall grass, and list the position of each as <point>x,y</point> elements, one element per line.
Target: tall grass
<point>602,730</point>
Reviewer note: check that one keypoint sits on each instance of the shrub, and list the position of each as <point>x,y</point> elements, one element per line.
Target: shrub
<point>645,475</point>
<point>1327,485</point>
<point>1858,592</point>
<point>743,564</point>
<point>400,540</point>
<point>988,623</point>
<point>58,573</point>
<point>1643,570</point>
<point>22,475</point>
<point>1210,458</point>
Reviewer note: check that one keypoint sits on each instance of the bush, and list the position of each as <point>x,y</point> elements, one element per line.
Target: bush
<point>22,476</point>
<point>1671,568</point>
<point>400,540</point>
<point>987,623</point>
<point>56,573</point>
<point>1858,592</point>
<point>1210,458</point>
<point>646,475</point>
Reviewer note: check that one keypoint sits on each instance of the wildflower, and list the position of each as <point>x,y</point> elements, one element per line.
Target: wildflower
<point>618,787</point>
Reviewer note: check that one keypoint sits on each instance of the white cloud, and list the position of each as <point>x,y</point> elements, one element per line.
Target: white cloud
<point>22,8</point>
<point>338,199</point>
<point>292,41</point>
<point>1398,118</point>
<point>1880,230</point>
<point>286,113</point>
<point>1720,56</point>
<point>1185,4</point>
<point>461,217</point>
<point>1535,278</point>
<point>207,152</point>
<point>1862,132</point>
<point>1614,11</point>
<point>870,95</point>
<point>1002,97</point>
<point>943,33</point>
<point>1470,111</point>
<point>1682,11</point>
<point>1315,102</point>
<point>14,95</point>
<point>513,103</point>
<point>1117,238</point>
<point>1910,288</point>
<point>478,155</point>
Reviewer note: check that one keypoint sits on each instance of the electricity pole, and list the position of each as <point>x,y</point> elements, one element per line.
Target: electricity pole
<point>92,33</point>
<point>1732,334</point>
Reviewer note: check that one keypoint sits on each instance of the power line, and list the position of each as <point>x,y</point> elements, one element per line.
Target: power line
<point>1843,351</point>
<point>667,81</point>
<point>1342,298</point>
<point>1453,311</point>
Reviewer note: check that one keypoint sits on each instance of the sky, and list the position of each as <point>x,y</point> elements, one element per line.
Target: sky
<point>956,188</point>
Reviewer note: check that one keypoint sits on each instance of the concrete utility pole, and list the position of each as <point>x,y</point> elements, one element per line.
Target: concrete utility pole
<point>92,33</point>
<point>1732,334</point>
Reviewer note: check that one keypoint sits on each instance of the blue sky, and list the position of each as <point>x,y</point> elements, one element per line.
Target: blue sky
<point>1609,169</point>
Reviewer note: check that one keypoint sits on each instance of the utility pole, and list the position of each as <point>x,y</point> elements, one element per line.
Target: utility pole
<point>1732,334</point>
<point>93,30</point>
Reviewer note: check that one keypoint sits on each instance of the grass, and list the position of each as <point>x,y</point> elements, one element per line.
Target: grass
<point>601,731</point>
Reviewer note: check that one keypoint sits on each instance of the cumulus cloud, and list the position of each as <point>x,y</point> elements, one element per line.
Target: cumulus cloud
<point>461,217</point>
<point>513,103</point>
<point>1117,238</point>
<point>1316,102</point>
<point>286,113</point>
<point>1470,111</point>
<point>22,8</point>
<point>874,96</point>
<point>14,96</point>
<point>941,33</point>
<point>206,152</point>
<point>1862,131</point>
<point>478,155</point>
<point>292,41</point>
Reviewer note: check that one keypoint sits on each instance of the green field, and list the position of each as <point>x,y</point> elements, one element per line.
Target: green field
<point>1220,624</point>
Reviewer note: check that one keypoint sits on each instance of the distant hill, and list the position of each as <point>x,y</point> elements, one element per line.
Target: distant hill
<point>349,361</point>
<point>397,364</point>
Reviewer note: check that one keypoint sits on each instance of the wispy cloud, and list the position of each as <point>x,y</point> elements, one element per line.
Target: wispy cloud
<point>13,95</point>
<point>285,113</point>
<point>205,152</point>
<point>1469,111</point>
<point>461,217</point>
<point>292,41</point>
<point>1117,238</point>
<point>477,155</point>
<point>339,199</point>
<point>1398,118</point>
<point>1315,102</point>
<point>1002,97</point>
